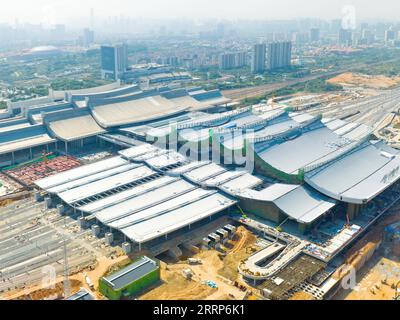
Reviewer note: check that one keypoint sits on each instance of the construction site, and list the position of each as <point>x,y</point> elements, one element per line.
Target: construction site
<point>115,184</point>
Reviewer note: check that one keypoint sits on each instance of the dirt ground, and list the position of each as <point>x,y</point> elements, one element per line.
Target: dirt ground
<point>243,248</point>
<point>77,281</point>
<point>216,266</point>
<point>53,293</point>
<point>361,80</point>
<point>176,287</point>
<point>375,281</point>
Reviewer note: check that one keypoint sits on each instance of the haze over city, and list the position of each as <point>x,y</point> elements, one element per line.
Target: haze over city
<point>65,11</point>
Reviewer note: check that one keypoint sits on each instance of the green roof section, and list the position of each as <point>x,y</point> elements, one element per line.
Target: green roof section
<point>131,280</point>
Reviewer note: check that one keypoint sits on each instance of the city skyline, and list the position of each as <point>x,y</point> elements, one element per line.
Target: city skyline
<point>49,13</point>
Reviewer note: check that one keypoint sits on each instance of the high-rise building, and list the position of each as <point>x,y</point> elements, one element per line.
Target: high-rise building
<point>258,58</point>
<point>390,35</point>
<point>314,35</point>
<point>367,37</point>
<point>88,37</point>
<point>232,60</point>
<point>279,55</point>
<point>226,61</point>
<point>300,37</point>
<point>114,61</point>
<point>345,37</point>
<point>240,59</point>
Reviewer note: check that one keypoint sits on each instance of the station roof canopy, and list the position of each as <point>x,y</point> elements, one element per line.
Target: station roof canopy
<point>300,203</point>
<point>24,138</point>
<point>80,172</point>
<point>135,111</point>
<point>360,175</point>
<point>147,204</point>
<point>72,125</point>
<point>305,150</point>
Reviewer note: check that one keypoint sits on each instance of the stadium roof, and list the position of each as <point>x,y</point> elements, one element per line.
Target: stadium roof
<point>358,176</point>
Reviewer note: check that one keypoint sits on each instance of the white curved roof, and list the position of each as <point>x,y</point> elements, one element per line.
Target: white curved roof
<point>298,202</point>
<point>359,176</point>
<point>134,111</point>
<point>75,128</point>
<point>305,150</point>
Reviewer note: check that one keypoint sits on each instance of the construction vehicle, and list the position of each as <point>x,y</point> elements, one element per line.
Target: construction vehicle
<point>88,281</point>
<point>188,274</point>
<point>193,261</point>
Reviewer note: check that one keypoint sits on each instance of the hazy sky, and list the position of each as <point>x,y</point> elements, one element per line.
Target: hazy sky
<point>62,11</point>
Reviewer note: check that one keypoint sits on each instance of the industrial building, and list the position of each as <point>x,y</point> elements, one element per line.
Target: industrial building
<point>131,280</point>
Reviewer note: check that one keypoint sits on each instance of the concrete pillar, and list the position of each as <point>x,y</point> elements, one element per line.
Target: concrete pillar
<point>60,209</point>
<point>303,228</point>
<point>47,203</point>
<point>13,157</point>
<point>82,143</point>
<point>37,196</point>
<point>109,238</point>
<point>30,153</point>
<point>47,148</point>
<point>95,230</point>
<point>127,247</point>
<point>66,147</point>
<point>82,222</point>
<point>353,210</point>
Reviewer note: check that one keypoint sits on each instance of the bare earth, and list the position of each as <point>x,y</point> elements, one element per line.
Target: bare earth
<point>76,282</point>
<point>362,80</point>
<point>376,281</point>
<point>214,267</point>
